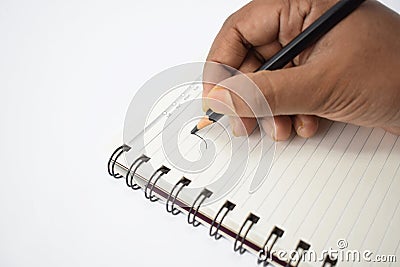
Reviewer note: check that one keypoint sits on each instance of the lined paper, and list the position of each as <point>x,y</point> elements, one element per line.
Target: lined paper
<point>344,183</point>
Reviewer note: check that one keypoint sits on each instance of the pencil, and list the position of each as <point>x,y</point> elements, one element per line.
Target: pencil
<point>305,39</point>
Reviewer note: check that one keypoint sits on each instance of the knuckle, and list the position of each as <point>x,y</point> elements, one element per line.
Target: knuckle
<point>229,21</point>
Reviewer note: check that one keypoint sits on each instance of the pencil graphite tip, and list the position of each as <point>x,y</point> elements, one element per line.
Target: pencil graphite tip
<point>204,122</point>
<point>194,130</point>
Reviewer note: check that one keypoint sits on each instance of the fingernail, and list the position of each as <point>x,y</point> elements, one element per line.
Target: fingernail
<point>219,100</point>
<point>300,130</point>
<point>269,127</point>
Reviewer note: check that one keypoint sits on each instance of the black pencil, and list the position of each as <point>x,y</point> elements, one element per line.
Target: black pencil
<point>305,39</point>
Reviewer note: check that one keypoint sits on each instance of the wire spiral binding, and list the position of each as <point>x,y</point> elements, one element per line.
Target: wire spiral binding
<point>329,261</point>
<point>113,159</point>
<point>303,247</point>
<point>228,206</point>
<point>171,207</point>
<point>204,194</point>
<point>265,253</point>
<point>253,219</point>
<point>148,192</point>
<point>130,174</point>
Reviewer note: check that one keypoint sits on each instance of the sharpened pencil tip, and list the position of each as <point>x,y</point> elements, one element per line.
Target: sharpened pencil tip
<point>204,122</point>
<point>194,130</point>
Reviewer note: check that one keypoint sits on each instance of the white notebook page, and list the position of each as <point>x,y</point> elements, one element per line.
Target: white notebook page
<point>341,184</point>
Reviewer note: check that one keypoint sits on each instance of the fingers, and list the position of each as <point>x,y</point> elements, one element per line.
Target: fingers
<point>212,74</point>
<point>289,91</point>
<point>278,128</point>
<point>282,129</point>
<point>393,130</point>
<point>246,28</point>
<point>215,73</point>
<point>242,126</point>
<point>244,44</point>
<point>252,61</point>
<point>239,34</point>
<point>305,126</point>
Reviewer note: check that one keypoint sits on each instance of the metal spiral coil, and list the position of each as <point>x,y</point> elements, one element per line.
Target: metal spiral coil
<point>227,207</point>
<point>148,190</point>
<point>132,171</point>
<point>329,261</point>
<point>170,204</point>
<point>238,245</point>
<point>265,253</point>
<point>301,248</point>
<point>113,159</point>
<point>191,218</point>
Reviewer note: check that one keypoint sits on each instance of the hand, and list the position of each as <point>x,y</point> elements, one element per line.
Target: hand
<point>352,74</point>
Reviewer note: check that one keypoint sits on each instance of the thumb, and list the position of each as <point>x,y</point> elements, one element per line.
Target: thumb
<point>288,91</point>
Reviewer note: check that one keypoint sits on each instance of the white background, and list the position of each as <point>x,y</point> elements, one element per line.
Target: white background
<point>68,70</point>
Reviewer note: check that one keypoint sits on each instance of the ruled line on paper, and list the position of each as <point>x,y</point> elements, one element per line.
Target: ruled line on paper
<point>251,151</point>
<point>396,250</point>
<point>301,170</point>
<point>380,206</point>
<point>303,201</point>
<point>287,144</point>
<point>338,161</point>
<point>287,166</point>
<point>353,193</point>
<point>237,189</point>
<point>325,184</point>
<point>181,111</point>
<point>341,184</point>
<point>316,172</point>
<point>391,219</point>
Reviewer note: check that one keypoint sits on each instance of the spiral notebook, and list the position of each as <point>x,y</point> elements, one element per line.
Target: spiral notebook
<point>324,201</point>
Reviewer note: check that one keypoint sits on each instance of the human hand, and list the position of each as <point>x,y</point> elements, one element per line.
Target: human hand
<point>349,75</point>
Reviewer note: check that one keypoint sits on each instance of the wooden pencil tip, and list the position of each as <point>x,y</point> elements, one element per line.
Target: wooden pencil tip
<point>204,122</point>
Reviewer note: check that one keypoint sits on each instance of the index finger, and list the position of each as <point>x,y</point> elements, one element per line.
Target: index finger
<point>255,24</point>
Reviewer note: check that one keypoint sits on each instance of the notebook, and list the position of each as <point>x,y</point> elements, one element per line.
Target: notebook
<point>330,200</point>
